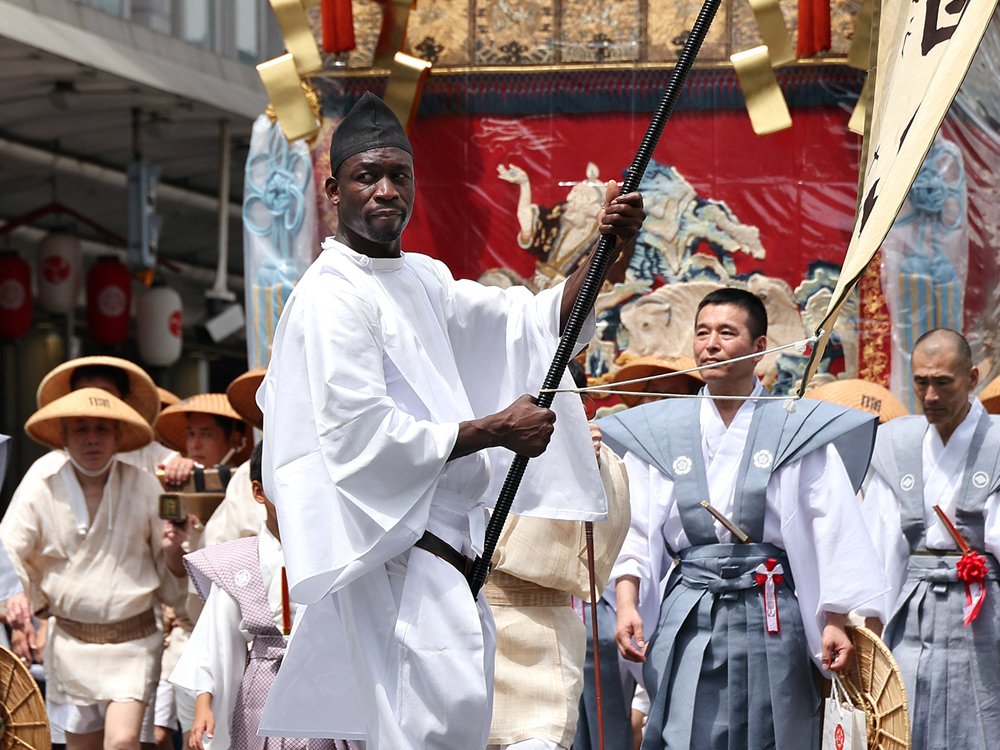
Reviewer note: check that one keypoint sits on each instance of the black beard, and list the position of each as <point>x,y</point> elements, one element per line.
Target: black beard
<point>386,236</point>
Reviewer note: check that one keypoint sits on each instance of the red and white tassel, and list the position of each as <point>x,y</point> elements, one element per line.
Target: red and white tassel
<point>769,575</point>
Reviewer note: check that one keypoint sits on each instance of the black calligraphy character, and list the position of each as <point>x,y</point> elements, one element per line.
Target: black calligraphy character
<point>935,34</point>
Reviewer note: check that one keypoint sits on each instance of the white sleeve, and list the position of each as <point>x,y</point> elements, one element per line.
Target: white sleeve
<point>992,531</point>
<point>833,561</point>
<point>881,513</point>
<point>214,659</point>
<point>634,558</point>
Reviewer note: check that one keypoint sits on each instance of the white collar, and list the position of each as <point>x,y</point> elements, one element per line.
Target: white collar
<point>363,261</point>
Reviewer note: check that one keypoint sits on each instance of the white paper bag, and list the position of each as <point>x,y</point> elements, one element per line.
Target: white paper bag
<point>844,726</point>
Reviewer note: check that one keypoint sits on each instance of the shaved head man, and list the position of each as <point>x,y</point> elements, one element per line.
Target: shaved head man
<point>945,627</point>
<point>943,378</point>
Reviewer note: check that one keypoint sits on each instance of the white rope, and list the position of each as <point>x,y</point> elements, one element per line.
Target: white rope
<point>798,345</point>
<point>611,391</point>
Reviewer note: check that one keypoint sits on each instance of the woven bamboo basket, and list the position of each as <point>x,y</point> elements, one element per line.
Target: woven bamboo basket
<point>876,685</point>
<point>23,722</point>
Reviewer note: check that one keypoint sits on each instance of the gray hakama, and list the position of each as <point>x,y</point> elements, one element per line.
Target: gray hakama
<point>717,680</point>
<point>952,672</point>
<point>616,689</point>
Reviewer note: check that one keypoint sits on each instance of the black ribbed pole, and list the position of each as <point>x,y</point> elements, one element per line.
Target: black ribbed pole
<point>592,283</point>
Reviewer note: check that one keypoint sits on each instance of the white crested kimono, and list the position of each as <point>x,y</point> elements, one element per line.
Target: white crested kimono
<point>943,478</point>
<point>215,656</point>
<point>824,537</point>
<point>375,362</point>
<point>99,570</point>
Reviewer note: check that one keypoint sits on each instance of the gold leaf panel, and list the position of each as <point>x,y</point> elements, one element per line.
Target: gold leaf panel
<point>515,32</point>
<point>439,32</point>
<point>670,24</point>
<point>601,32</point>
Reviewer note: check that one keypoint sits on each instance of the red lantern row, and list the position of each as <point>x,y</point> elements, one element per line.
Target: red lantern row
<point>109,300</point>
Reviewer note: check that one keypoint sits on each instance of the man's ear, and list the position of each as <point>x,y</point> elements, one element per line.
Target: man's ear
<point>257,489</point>
<point>761,343</point>
<point>332,190</point>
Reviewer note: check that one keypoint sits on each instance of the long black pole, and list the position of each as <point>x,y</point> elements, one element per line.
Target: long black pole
<point>592,283</point>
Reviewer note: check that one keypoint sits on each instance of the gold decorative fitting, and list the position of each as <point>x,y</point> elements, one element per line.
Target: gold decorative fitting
<point>392,37</point>
<point>406,82</point>
<point>298,36</point>
<point>857,121</point>
<point>774,33</point>
<point>859,55</point>
<point>296,111</point>
<point>765,102</point>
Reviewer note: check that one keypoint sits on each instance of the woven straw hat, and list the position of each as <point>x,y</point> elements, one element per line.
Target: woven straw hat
<point>643,367</point>
<point>45,425</point>
<point>990,396</point>
<point>242,394</point>
<point>171,426</point>
<point>143,395</point>
<point>863,396</point>
<point>167,398</point>
<point>875,685</point>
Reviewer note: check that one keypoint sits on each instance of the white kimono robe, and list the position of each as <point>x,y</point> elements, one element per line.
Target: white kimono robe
<point>833,563</point>
<point>374,364</point>
<point>104,569</point>
<point>215,656</point>
<point>944,475</point>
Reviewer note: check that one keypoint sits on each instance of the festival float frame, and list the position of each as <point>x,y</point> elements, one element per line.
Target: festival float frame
<point>511,163</point>
<point>515,133</point>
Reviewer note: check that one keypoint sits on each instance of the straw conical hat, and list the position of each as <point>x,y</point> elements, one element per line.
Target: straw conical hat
<point>875,684</point>
<point>242,395</point>
<point>863,396</point>
<point>143,395</point>
<point>45,425</point>
<point>25,724</point>
<point>171,426</point>
<point>167,398</point>
<point>990,396</point>
<point>644,367</point>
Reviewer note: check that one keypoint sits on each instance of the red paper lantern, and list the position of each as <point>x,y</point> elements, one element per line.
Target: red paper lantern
<point>15,296</point>
<point>109,300</point>
<point>159,317</point>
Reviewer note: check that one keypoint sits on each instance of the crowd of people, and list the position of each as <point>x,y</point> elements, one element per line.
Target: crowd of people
<point>728,539</point>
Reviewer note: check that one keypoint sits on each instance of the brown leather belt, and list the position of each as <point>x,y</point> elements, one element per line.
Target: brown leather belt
<point>440,548</point>
<point>130,629</point>
<point>505,590</point>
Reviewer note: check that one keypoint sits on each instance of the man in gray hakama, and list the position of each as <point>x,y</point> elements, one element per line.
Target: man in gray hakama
<point>950,457</point>
<point>721,673</point>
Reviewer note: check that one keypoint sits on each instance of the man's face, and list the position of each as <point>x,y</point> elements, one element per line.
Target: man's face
<point>91,441</point>
<point>206,440</point>
<point>373,192</point>
<point>942,385</point>
<point>722,332</point>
